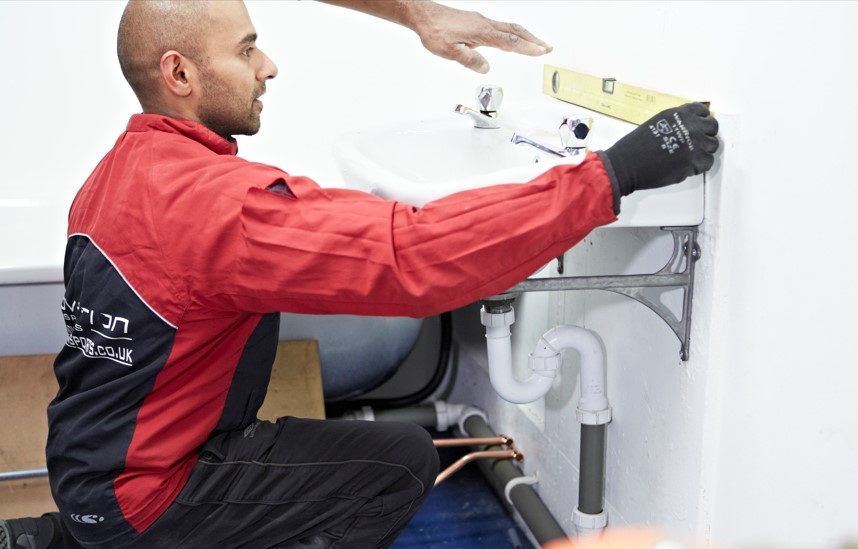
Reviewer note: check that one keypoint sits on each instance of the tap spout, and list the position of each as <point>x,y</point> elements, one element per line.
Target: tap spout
<point>560,153</point>
<point>487,120</point>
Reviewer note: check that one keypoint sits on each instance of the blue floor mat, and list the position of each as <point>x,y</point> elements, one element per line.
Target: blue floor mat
<point>463,512</point>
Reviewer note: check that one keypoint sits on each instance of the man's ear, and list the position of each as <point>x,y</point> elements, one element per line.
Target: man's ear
<point>177,72</point>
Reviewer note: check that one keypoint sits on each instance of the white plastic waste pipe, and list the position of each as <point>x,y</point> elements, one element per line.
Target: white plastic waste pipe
<point>544,362</point>
<point>593,411</point>
<point>593,402</point>
<point>500,362</point>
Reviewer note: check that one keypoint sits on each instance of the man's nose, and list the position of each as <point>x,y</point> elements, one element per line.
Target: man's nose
<point>268,69</point>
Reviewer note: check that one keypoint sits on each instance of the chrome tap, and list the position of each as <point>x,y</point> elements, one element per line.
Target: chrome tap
<point>574,133</point>
<point>489,99</point>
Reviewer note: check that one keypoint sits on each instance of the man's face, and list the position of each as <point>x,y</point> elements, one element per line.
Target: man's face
<point>234,74</point>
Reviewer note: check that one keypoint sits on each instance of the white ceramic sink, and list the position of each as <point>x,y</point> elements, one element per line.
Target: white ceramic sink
<point>421,160</point>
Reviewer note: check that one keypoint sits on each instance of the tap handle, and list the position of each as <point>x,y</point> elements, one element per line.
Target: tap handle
<point>489,98</point>
<point>575,131</point>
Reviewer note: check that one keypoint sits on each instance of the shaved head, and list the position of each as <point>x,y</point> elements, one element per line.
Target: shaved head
<point>195,60</point>
<point>148,29</point>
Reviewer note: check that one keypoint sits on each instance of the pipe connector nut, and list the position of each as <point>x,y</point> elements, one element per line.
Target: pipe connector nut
<point>540,364</point>
<point>589,417</point>
<point>491,320</point>
<point>587,524</point>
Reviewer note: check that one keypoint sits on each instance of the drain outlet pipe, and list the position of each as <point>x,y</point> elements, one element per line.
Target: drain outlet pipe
<point>504,477</point>
<point>593,414</point>
<point>438,415</point>
<point>589,517</point>
<point>593,411</point>
<point>508,483</point>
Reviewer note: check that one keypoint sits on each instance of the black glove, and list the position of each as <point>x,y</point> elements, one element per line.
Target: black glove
<point>667,148</point>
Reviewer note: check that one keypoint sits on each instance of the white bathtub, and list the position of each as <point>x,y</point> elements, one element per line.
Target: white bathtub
<point>35,235</point>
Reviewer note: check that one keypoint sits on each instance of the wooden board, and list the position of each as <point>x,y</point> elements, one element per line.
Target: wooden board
<point>27,385</point>
<point>295,388</point>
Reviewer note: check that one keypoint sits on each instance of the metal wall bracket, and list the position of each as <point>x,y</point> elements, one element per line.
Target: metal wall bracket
<point>677,273</point>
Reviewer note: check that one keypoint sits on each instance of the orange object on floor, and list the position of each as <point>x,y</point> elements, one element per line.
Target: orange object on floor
<point>623,538</point>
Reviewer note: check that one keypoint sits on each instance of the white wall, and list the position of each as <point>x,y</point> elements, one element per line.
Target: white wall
<point>753,440</point>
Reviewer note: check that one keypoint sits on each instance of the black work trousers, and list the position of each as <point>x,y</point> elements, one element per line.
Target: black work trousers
<point>300,483</point>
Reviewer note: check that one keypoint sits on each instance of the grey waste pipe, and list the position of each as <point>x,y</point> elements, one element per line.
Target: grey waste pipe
<point>591,484</point>
<point>424,415</point>
<point>524,498</point>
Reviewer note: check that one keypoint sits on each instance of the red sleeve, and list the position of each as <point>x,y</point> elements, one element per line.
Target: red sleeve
<point>340,251</point>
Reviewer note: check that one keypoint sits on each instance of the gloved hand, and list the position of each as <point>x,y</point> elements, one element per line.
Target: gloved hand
<point>667,148</point>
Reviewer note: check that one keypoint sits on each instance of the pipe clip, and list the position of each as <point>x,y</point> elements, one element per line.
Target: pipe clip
<point>590,417</point>
<point>469,412</point>
<point>368,414</point>
<point>529,481</point>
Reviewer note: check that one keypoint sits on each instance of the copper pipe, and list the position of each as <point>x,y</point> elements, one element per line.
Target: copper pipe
<point>499,440</point>
<point>467,458</point>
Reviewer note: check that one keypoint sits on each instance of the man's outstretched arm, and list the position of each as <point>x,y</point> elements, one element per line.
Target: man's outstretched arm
<point>449,32</point>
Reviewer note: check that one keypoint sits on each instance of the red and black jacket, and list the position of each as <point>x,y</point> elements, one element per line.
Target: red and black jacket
<point>179,257</point>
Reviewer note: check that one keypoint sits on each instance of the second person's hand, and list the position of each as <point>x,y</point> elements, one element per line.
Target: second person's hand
<point>452,33</point>
<point>455,34</point>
